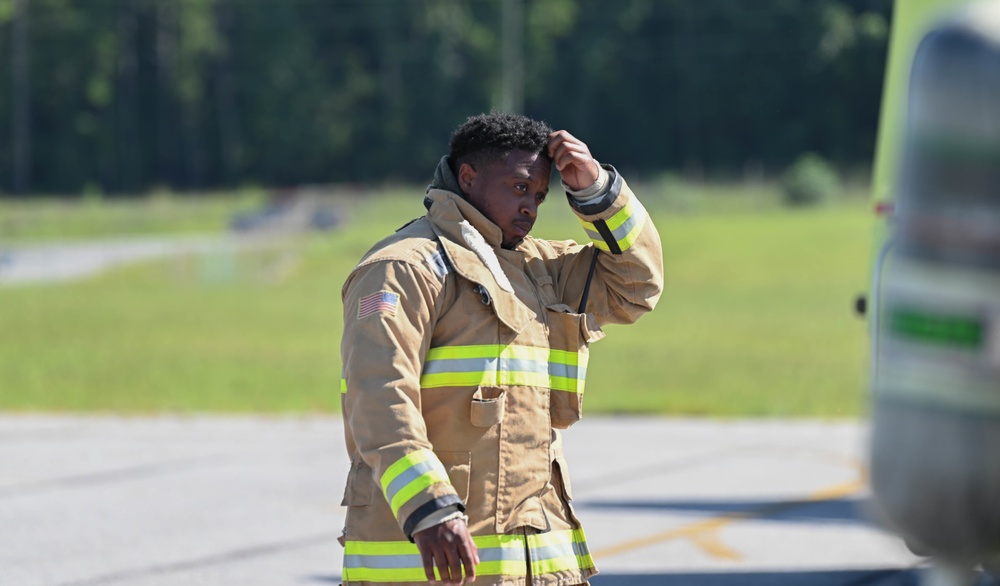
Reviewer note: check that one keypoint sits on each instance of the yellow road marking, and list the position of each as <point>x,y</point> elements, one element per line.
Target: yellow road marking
<point>704,533</point>
<point>711,543</point>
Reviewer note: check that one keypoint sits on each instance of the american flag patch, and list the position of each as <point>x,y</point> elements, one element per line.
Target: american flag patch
<point>383,301</point>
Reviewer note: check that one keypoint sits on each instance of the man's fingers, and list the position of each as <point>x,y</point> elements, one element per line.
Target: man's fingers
<point>557,149</point>
<point>567,151</point>
<point>559,138</point>
<point>470,557</point>
<point>575,159</point>
<point>427,557</point>
<point>449,547</point>
<point>452,565</point>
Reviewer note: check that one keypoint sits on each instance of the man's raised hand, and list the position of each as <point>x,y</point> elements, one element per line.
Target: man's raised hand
<point>573,160</point>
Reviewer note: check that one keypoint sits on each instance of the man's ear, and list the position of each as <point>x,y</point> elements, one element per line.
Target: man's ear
<point>466,177</point>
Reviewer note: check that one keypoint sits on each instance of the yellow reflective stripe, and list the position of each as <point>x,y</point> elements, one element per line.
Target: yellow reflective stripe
<point>594,234</point>
<point>632,212</point>
<point>620,217</point>
<point>625,226</point>
<point>566,357</point>
<point>399,561</point>
<point>458,379</point>
<point>343,385</point>
<point>503,351</point>
<point>559,551</point>
<point>494,364</point>
<point>526,379</point>
<point>474,351</point>
<point>386,575</point>
<point>500,555</point>
<point>380,548</point>
<point>570,385</point>
<point>409,475</point>
<point>632,236</point>
<point>601,245</point>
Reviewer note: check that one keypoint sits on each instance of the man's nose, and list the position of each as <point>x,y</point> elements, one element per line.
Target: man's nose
<point>530,207</point>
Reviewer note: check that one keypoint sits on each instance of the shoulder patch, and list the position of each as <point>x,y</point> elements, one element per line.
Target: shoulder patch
<point>439,263</point>
<point>378,302</point>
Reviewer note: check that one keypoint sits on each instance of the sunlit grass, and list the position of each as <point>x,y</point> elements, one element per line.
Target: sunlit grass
<point>755,320</point>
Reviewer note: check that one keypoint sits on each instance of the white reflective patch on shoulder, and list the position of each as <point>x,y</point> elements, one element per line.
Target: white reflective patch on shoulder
<point>478,244</point>
<point>438,263</point>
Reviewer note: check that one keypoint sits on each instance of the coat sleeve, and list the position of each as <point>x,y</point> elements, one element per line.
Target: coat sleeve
<point>628,278</point>
<point>389,316</point>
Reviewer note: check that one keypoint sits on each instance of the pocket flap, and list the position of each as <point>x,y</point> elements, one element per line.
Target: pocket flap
<point>487,407</point>
<point>360,484</point>
<point>459,467</point>
<point>590,329</point>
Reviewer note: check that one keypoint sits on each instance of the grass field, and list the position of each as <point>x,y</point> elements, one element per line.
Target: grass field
<point>756,319</point>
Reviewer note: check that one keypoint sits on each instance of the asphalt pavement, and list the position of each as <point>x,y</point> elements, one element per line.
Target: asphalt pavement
<point>254,501</point>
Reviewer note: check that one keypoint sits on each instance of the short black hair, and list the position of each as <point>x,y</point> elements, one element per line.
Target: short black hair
<point>489,138</point>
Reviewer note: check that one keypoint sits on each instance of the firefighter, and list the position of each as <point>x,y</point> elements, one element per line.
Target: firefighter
<point>465,349</point>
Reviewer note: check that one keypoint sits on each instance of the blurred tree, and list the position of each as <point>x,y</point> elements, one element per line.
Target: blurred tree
<point>124,95</point>
<point>21,109</point>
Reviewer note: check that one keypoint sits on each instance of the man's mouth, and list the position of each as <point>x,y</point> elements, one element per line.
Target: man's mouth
<point>523,227</point>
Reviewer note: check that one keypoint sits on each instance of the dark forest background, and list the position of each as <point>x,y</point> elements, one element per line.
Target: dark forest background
<point>124,96</point>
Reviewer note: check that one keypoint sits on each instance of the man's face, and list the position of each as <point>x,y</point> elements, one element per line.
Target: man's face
<point>508,192</point>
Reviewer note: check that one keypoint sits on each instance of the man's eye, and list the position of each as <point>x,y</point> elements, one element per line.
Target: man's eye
<point>540,197</point>
<point>522,187</point>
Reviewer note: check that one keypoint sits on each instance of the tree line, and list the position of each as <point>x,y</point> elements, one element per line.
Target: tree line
<point>124,96</point>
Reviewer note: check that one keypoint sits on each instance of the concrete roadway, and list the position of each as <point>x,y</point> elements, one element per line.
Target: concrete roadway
<point>66,261</point>
<point>255,501</point>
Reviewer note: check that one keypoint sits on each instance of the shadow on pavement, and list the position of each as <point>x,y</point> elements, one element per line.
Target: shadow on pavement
<point>832,510</point>
<point>908,577</point>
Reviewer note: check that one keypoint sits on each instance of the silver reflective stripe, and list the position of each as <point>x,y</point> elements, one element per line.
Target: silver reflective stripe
<point>504,365</point>
<point>622,231</point>
<point>594,235</point>
<point>392,562</point>
<point>501,554</point>
<point>567,370</point>
<point>407,476</point>
<point>556,550</point>
<point>383,562</point>
<point>460,365</point>
<point>524,365</point>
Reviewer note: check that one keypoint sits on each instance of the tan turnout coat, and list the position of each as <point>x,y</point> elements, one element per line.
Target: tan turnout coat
<point>461,360</point>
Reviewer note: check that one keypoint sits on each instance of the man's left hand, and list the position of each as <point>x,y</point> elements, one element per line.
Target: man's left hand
<point>450,546</point>
<point>573,160</point>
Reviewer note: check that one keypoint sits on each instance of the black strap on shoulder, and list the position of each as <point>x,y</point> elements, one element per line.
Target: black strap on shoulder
<point>590,277</point>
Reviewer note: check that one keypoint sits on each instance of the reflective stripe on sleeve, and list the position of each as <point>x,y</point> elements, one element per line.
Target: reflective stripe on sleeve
<point>499,555</point>
<point>409,475</point>
<point>620,231</point>
<point>498,365</point>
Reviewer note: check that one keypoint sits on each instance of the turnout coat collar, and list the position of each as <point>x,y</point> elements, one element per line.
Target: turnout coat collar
<point>447,213</point>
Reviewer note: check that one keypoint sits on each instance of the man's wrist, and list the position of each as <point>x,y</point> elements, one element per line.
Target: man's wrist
<point>591,192</point>
<point>438,517</point>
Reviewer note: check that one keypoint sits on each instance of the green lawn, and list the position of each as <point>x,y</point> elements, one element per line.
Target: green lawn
<point>158,213</point>
<point>756,318</point>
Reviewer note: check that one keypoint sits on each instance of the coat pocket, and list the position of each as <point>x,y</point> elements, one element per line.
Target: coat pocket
<point>488,406</point>
<point>561,476</point>
<point>459,467</point>
<point>571,333</point>
<point>360,484</point>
